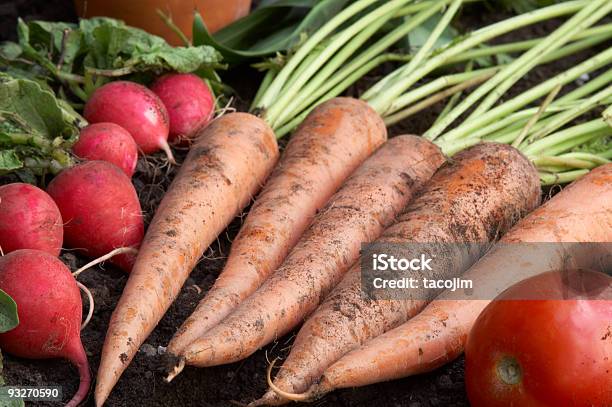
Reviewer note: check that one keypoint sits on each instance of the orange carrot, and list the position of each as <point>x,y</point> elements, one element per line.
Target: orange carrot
<point>331,142</point>
<point>211,188</point>
<point>582,212</point>
<point>367,203</point>
<point>472,199</point>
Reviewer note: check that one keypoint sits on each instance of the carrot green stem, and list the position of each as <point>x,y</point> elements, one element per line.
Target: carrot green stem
<point>532,121</point>
<point>598,34</point>
<point>495,87</point>
<point>312,94</point>
<point>336,90</point>
<point>435,98</point>
<point>429,43</point>
<point>451,148</point>
<point>456,97</point>
<point>512,132</point>
<point>607,115</point>
<point>507,126</point>
<point>308,61</point>
<point>591,64</point>
<point>566,139</point>
<point>267,80</point>
<point>561,177</point>
<point>591,86</point>
<point>599,159</point>
<point>586,17</point>
<point>570,114</point>
<point>324,69</point>
<point>438,84</point>
<point>351,35</point>
<point>274,91</point>
<point>381,100</point>
<point>567,50</point>
<point>568,162</point>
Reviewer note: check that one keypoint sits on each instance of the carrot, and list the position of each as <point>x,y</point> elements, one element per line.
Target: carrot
<point>332,141</point>
<point>222,173</point>
<point>367,203</point>
<point>581,212</point>
<point>211,188</point>
<point>479,194</point>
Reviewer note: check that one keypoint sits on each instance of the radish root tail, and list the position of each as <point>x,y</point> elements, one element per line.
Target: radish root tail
<point>176,370</point>
<point>166,148</point>
<point>91,304</point>
<point>309,395</point>
<point>112,253</point>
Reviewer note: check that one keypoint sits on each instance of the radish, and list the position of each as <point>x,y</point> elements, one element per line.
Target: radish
<point>136,109</point>
<point>189,102</point>
<point>101,210</point>
<point>29,219</point>
<point>49,309</point>
<point>108,142</point>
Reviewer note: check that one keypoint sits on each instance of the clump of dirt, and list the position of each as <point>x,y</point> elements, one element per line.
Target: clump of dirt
<point>142,384</point>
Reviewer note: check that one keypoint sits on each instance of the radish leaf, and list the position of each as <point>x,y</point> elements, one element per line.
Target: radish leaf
<point>8,312</point>
<point>36,129</point>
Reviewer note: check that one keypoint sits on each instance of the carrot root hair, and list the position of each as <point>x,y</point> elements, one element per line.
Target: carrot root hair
<point>175,370</point>
<point>308,396</point>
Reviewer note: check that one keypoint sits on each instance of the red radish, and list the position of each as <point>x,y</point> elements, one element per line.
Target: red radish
<point>29,219</point>
<point>101,210</point>
<point>189,102</point>
<point>136,109</point>
<point>49,309</point>
<point>108,142</point>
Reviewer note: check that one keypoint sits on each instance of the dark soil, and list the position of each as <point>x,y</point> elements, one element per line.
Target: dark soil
<point>141,384</point>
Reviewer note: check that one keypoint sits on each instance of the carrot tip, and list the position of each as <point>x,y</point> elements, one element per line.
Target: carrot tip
<point>309,395</point>
<point>176,370</point>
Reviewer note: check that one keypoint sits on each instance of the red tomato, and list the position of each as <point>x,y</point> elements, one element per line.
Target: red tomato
<point>546,341</point>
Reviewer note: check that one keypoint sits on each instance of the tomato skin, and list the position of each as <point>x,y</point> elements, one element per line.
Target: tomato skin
<point>562,349</point>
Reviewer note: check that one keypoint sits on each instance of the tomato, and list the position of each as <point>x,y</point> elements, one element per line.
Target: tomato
<point>546,341</point>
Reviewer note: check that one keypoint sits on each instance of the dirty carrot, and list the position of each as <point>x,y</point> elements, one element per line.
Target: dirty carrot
<point>367,203</point>
<point>326,149</point>
<point>473,198</point>
<point>579,213</point>
<point>211,188</point>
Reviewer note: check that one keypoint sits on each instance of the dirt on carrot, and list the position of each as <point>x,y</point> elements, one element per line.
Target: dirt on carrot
<point>211,188</point>
<point>579,213</point>
<point>474,198</point>
<point>366,204</point>
<point>331,142</point>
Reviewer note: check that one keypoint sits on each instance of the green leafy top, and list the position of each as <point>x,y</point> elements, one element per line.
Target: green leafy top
<point>113,45</point>
<point>36,128</point>
<point>84,56</point>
